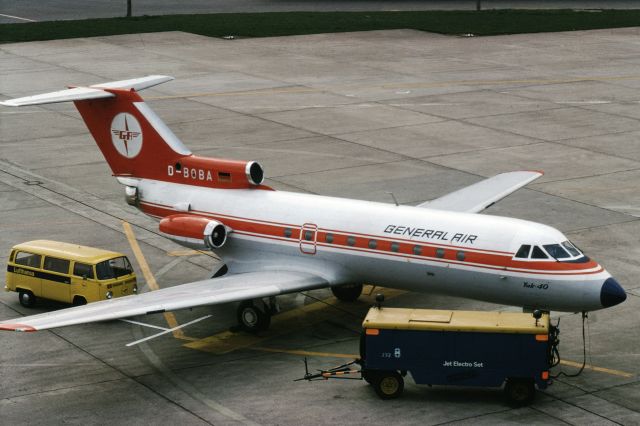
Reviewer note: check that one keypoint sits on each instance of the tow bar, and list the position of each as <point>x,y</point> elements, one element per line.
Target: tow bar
<point>339,372</point>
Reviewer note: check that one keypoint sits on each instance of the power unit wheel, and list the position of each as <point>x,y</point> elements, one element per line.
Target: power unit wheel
<point>251,318</point>
<point>347,292</point>
<point>388,384</point>
<point>520,392</point>
<point>27,299</point>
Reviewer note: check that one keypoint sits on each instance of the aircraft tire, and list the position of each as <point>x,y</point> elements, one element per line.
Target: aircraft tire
<point>347,292</point>
<point>27,299</point>
<point>251,318</point>
<point>519,392</point>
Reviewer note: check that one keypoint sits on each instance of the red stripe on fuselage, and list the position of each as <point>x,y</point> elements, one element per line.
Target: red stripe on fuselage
<point>406,248</point>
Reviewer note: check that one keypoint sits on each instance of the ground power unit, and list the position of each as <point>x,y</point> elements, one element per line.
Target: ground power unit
<point>461,348</point>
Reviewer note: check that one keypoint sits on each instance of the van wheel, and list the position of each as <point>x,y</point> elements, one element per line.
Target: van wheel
<point>388,384</point>
<point>27,299</point>
<point>520,392</point>
<point>79,301</point>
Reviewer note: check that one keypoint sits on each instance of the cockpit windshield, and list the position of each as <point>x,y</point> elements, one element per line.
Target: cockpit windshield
<point>565,251</point>
<point>573,250</point>
<point>556,251</point>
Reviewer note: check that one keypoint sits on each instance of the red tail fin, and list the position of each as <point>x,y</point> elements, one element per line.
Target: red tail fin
<point>136,143</point>
<point>132,138</point>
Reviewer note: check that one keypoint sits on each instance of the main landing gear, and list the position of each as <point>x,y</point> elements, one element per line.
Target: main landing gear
<point>347,292</point>
<point>255,315</point>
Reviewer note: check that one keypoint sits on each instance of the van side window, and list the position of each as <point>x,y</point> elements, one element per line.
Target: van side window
<point>537,253</point>
<point>83,270</point>
<point>523,251</point>
<point>28,259</point>
<point>56,265</point>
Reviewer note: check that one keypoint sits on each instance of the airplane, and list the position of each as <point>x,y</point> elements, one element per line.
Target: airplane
<point>277,242</point>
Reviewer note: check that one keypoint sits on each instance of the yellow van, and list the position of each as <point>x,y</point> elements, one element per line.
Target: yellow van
<point>67,273</point>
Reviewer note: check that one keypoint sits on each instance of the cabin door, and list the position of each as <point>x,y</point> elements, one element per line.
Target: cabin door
<point>308,235</point>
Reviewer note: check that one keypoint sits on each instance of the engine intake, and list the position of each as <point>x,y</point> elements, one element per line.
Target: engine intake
<point>194,231</point>
<point>215,234</point>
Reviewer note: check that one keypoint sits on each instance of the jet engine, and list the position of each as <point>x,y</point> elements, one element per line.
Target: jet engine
<point>197,232</point>
<point>215,234</point>
<point>217,173</point>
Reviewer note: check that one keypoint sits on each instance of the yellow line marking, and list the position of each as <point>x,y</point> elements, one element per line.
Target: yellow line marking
<point>151,279</point>
<point>599,369</point>
<point>176,253</point>
<point>285,322</point>
<point>391,86</point>
<point>304,353</point>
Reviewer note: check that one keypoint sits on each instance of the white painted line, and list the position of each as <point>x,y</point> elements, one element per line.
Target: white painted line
<point>169,330</point>
<point>144,324</point>
<point>169,266</point>
<point>17,17</point>
<point>583,102</point>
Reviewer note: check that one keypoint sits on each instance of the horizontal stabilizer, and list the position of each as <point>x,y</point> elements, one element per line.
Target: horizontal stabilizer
<point>480,195</point>
<point>136,84</point>
<point>84,93</point>
<point>68,95</point>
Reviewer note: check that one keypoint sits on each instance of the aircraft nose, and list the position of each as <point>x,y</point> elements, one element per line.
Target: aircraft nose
<point>612,293</point>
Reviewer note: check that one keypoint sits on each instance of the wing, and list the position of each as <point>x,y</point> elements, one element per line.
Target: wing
<point>483,194</point>
<point>207,292</point>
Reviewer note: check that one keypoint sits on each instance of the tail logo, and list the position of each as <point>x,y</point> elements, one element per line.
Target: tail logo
<point>126,135</point>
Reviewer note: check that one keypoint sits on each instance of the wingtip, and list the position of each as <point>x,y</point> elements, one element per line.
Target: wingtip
<point>17,327</point>
<point>541,172</point>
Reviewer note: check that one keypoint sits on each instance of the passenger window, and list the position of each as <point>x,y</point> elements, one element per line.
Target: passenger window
<point>440,252</point>
<point>287,232</point>
<point>373,244</point>
<point>351,241</point>
<point>83,270</point>
<point>28,259</point>
<point>460,256</point>
<point>523,252</point>
<point>417,250</point>
<point>328,238</point>
<point>556,251</point>
<point>308,235</point>
<point>537,253</point>
<point>395,247</point>
<point>56,265</point>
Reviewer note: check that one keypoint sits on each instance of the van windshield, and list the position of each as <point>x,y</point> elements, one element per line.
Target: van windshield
<point>113,268</point>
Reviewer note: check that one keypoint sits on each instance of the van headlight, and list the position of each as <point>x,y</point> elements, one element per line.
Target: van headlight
<point>109,295</point>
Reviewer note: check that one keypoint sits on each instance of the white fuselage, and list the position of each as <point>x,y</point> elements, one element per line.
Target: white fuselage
<point>418,249</point>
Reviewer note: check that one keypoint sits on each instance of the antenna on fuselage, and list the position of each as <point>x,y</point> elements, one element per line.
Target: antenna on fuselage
<point>394,198</point>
